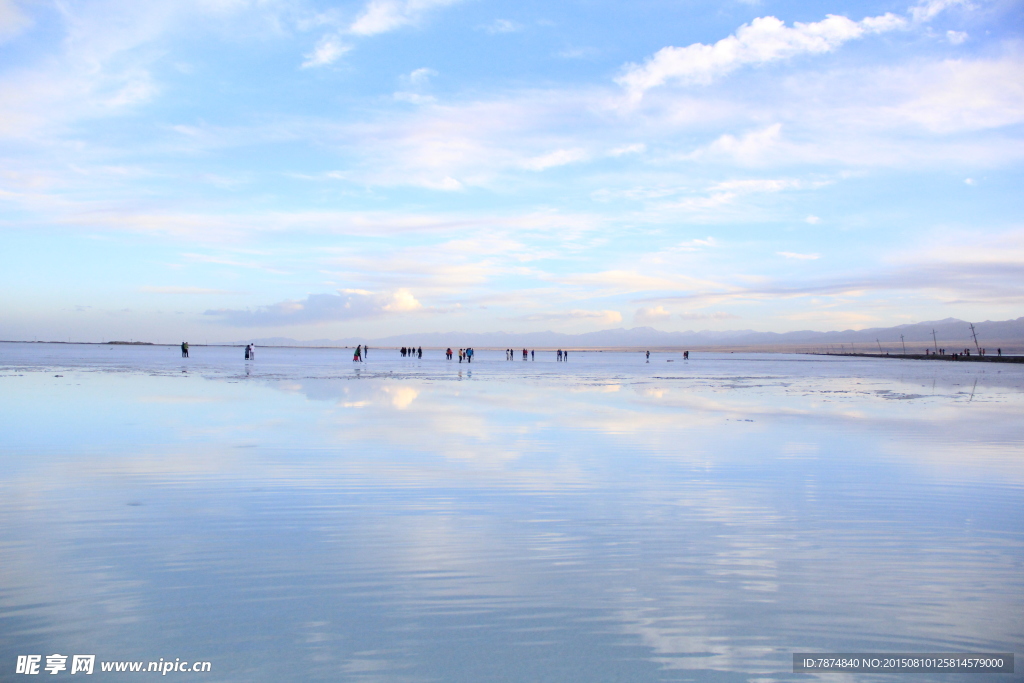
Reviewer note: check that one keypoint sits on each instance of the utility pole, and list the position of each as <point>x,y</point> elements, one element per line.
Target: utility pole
<point>904,345</point>
<point>975,339</point>
<point>935,340</point>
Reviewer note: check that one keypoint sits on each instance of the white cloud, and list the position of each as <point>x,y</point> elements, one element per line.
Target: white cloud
<point>603,317</point>
<point>12,20</point>
<point>381,16</point>
<point>695,244</point>
<point>626,281</point>
<point>138,87</point>
<point>420,77</point>
<point>327,51</point>
<point>764,40</point>
<point>416,81</point>
<point>812,219</point>
<point>480,142</point>
<point>414,97</point>
<point>749,148</point>
<point>799,257</point>
<point>577,53</point>
<point>502,26</point>
<point>447,184</point>
<point>758,185</point>
<point>969,181</point>
<point>959,95</point>
<point>651,315</point>
<point>402,301</point>
<point>559,157</point>
<point>979,266</point>
<point>718,315</point>
<point>956,37</point>
<point>184,290</point>
<point>927,10</point>
<point>347,304</point>
<point>637,148</point>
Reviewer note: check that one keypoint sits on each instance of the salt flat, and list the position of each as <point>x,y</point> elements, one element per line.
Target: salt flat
<point>302,517</point>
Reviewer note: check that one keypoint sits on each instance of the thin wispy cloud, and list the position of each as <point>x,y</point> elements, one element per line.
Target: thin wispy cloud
<point>559,157</point>
<point>320,308</point>
<point>929,9</point>
<point>420,77</point>
<point>329,50</point>
<point>502,26</point>
<point>185,290</point>
<point>715,315</point>
<point>12,20</point>
<point>651,315</point>
<point>985,283</point>
<point>764,40</point>
<point>381,16</point>
<point>602,317</point>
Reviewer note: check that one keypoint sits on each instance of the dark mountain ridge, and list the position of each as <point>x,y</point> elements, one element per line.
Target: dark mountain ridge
<point>948,332</point>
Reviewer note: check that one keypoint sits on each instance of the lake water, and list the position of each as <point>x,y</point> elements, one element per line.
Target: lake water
<point>606,519</point>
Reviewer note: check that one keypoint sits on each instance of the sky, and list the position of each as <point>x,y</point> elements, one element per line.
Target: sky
<point>217,170</point>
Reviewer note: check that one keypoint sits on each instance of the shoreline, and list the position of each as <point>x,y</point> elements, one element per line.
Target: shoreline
<point>800,349</point>
<point>931,356</point>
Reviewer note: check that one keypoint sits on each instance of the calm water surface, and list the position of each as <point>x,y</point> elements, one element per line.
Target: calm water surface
<point>605,519</point>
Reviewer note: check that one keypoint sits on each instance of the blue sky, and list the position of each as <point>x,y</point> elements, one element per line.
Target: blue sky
<point>229,169</point>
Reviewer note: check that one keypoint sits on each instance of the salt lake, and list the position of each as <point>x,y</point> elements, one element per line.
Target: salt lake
<point>303,518</point>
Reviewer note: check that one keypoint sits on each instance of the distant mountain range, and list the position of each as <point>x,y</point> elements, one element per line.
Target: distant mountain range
<point>950,331</point>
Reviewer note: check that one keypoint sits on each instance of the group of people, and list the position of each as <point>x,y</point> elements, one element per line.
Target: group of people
<point>467,353</point>
<point>967,352</point>
<point>957,356</point>
<point>686,356</point>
